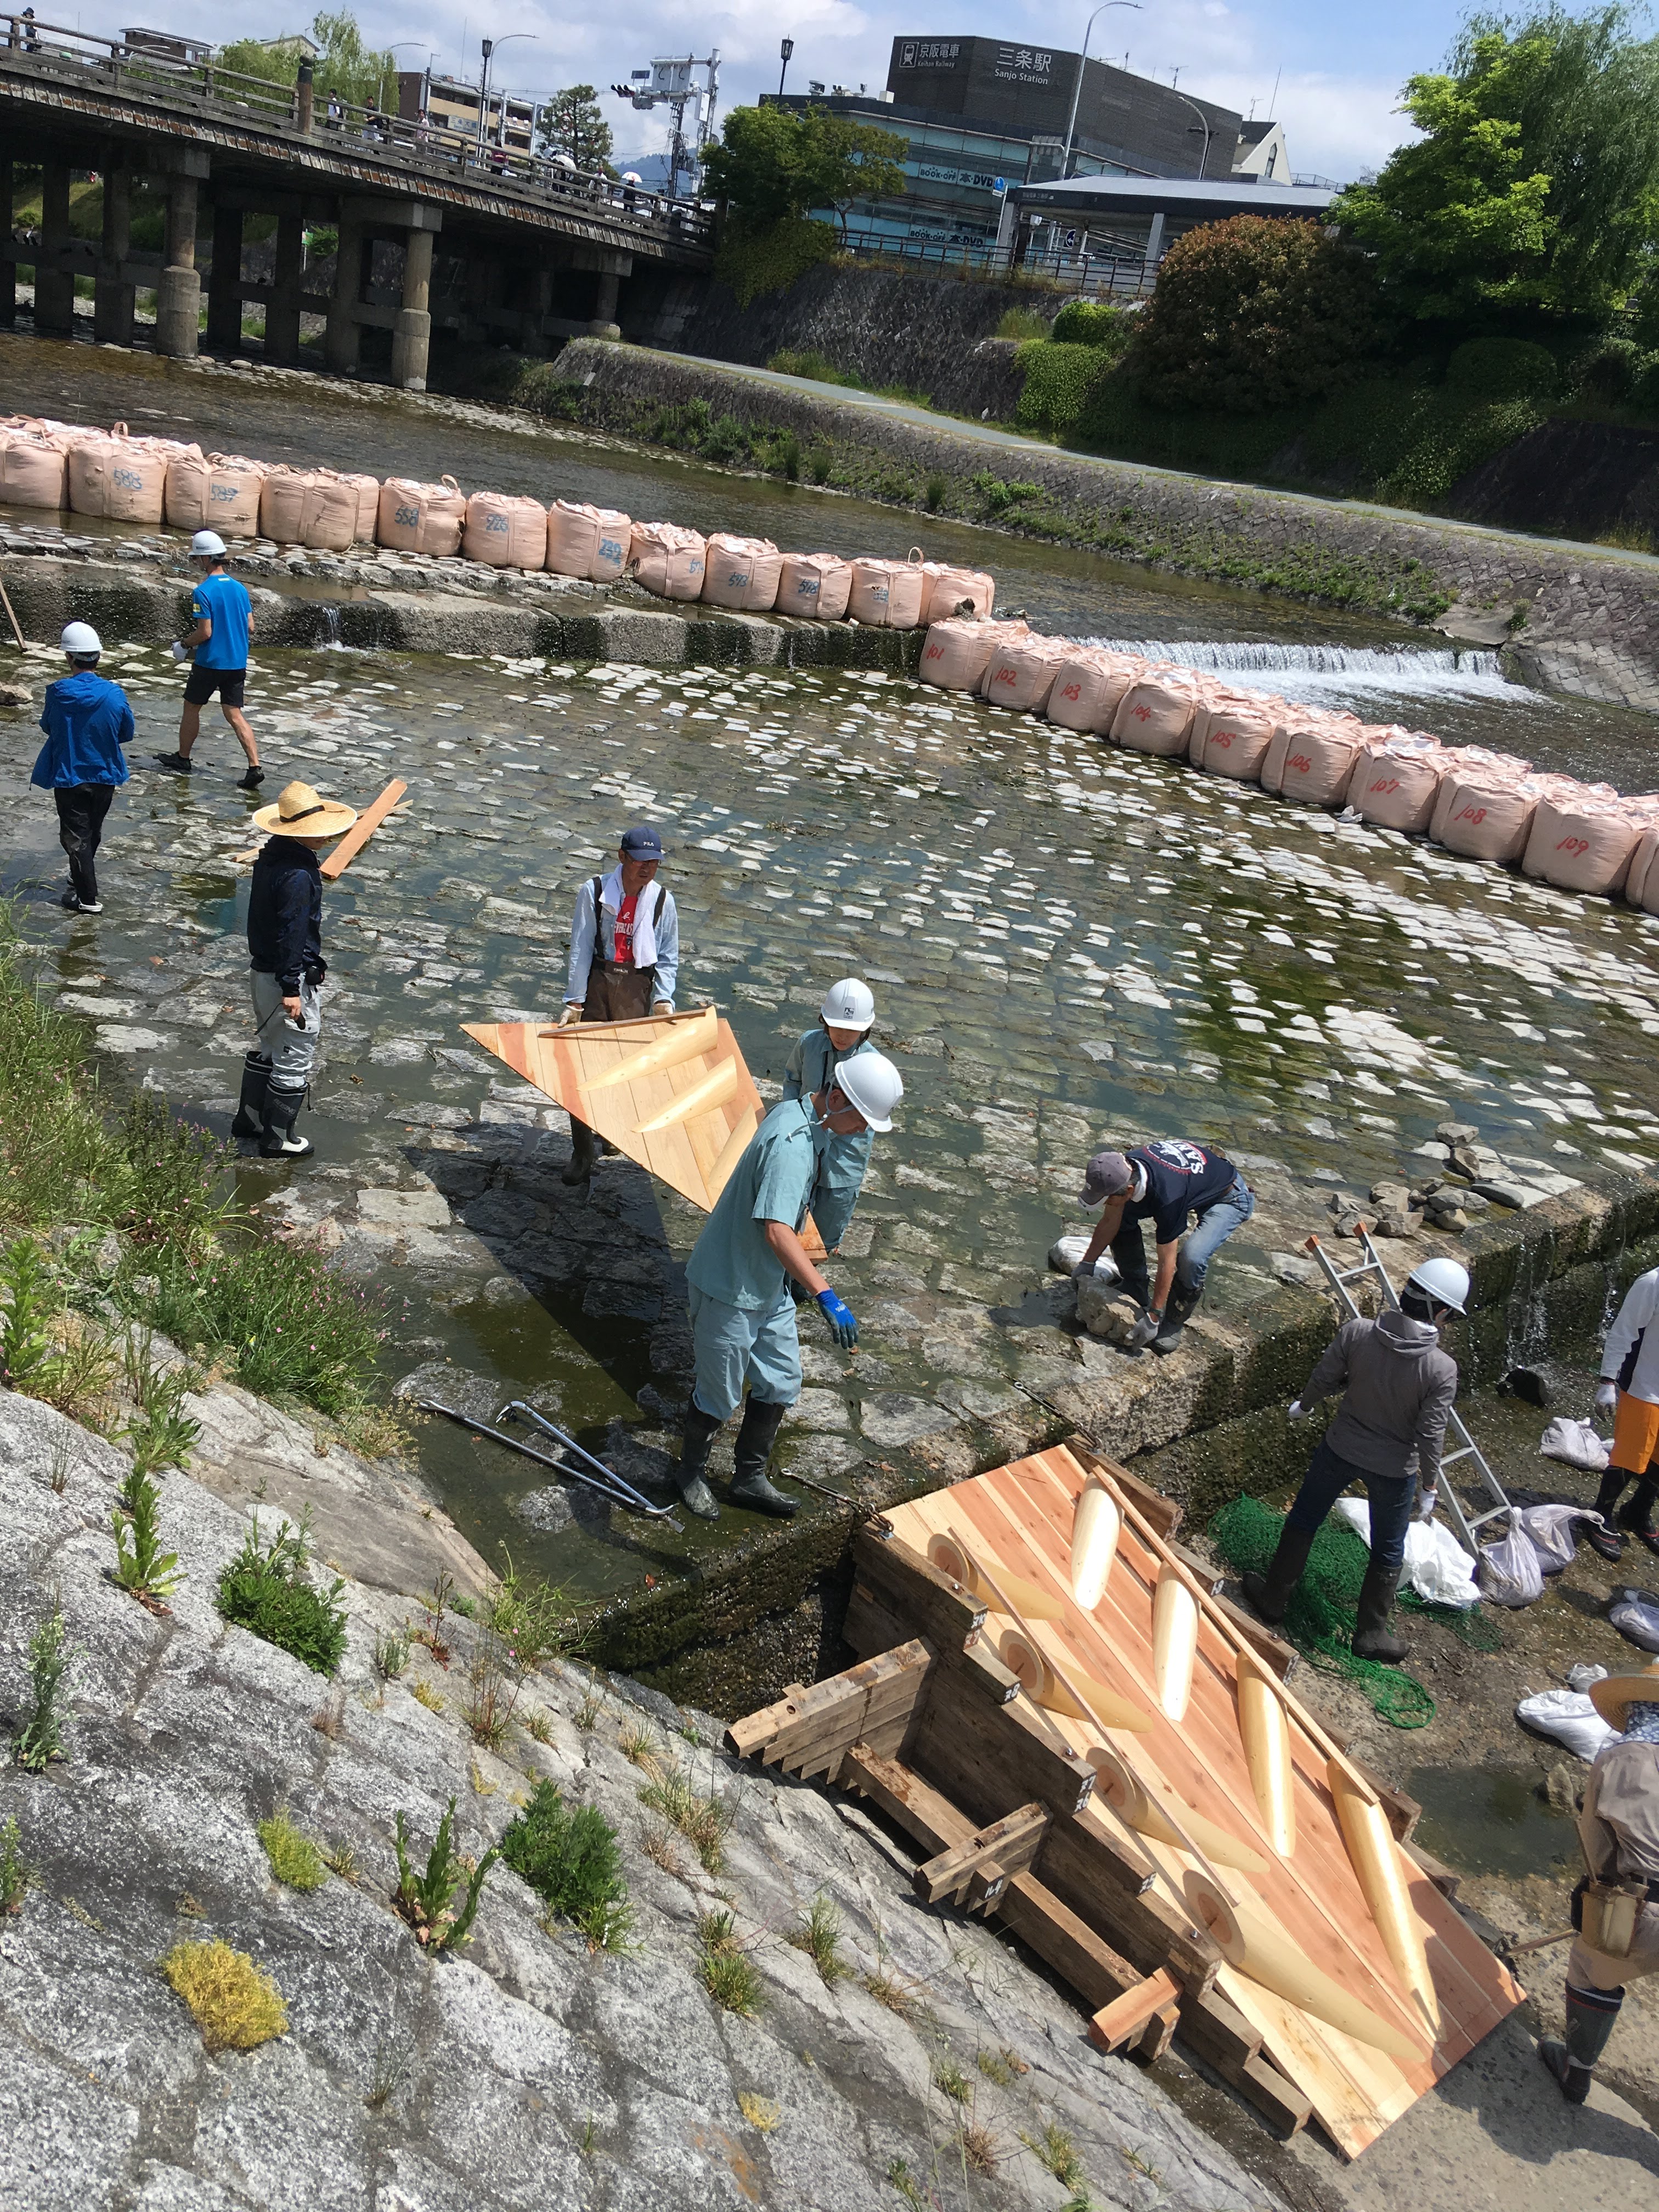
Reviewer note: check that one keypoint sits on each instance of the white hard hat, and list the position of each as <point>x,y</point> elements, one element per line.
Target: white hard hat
<point>849,1004</point>
<point>1443,1281</point>
<point>80,638</point>
<point>870,1083</point>
<point>205,542</point>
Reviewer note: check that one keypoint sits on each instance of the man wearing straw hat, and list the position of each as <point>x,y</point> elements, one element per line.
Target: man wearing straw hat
<point>1619,1831</point>
<point>285,951</point>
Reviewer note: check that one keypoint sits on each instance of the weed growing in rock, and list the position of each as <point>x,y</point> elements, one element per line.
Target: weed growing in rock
<point>42,1738</point>
<point>492,1691</point>
<point>640,1745</point>
<point>893,1990</point>
<point>141,1568</point>
<point>981,2151</point>
<point>537,1724</point>
<point>762,2113</point>
<point>587,1713</point>
<point>394,2056</point>
<point>425,1694</point>
<point>267,1591</point>
<point>918,2198</point>
<point>951,2081</point>
<point>25,1343</point>
<point>705,1822</point>
<point>817,1932</point>
<point>1003,2067</point>
<point>1054,2148</point>
<point>568,1855</point>
<point>935,491</point>
<point>162,1434</point>
<point>234,2004</point>
<point>661,1847</point>
<point>15,1872</point>
<point>532,1617</point>
<point>295,1859</point>
<point>391,1655</point>
<point>431,1630</point>
<point>728,1973</point>
<point>63,1458</point>
<point>340,1857</point>
<point>427,1900</point>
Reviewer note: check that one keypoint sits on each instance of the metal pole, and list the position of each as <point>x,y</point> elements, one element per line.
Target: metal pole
<point>1204,165</point>
<point>1076,89</point>
<point>786,50</point>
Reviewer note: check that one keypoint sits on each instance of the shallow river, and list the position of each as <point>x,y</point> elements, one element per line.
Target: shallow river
<point>1068,945</point>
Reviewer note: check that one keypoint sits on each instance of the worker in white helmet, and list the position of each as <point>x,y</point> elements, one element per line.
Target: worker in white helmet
<point>743,1318</point>
<point>845,1020</point>
<point>222,625</point>
<point>88,721</point>
<point>1629,1390</point>
<point>1397,1389</point>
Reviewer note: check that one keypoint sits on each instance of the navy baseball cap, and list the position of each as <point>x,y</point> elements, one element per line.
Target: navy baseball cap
<point>642,842</point>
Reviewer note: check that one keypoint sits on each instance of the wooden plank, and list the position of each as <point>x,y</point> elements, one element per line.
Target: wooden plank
<point>832,1715</point>
<point>1279,2101</point>
<point>925,1813</point>
<point>887,1703</point>
<point>1122,2020</point>
<point>1008,1845</point>
<point>1218,2032</point>
<point>935,1604</point>
<point>1158,2034</point>
<point>991,1757</point>
<point>361,831</point>
<point>1440,1875</point>
<point>1064,1941</point>
<point>869,1625</point>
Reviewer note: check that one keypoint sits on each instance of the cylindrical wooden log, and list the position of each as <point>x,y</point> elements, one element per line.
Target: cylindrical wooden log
<point>1377,1862</point>
<point>1096,1525</point>
<point>1266,1739</point>
<point>1129,1797</point>
<point>1175,1642</point>
<point>1091,1699</point>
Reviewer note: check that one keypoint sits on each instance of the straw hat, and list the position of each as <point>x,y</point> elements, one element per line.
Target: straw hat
<point>299,812</point>
<point>1613,1692</point>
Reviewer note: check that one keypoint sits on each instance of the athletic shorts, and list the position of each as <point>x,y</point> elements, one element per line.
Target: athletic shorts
<point>1635,1433</point>
<point>202,682</point>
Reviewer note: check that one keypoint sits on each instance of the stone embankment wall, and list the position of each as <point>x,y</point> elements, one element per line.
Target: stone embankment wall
<point>1586,618</point>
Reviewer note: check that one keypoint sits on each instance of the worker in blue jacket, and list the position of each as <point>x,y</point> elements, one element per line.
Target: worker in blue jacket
<point>845,1020</point>
<point>88,721</point>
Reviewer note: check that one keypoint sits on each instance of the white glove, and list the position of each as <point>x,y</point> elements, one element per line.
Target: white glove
<point>177,650</point>
<point>570,1014</point>
<point>1427,1499</point>
<point>662,1006</point>
<point>1298,1411</point>
<point>1606,1397</point>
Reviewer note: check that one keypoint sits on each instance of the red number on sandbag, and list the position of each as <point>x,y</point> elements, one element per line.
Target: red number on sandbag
<point>1577,846</point>
<point>1476,814</point>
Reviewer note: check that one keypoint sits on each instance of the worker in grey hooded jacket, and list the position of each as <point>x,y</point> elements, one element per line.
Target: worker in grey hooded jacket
<point>1397,1390</point>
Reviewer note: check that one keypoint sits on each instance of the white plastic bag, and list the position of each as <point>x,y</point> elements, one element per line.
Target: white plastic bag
<point>1436,1565</point>
<point>1550,1528</point>
<point>1634,1616</point>
<point>1509,1572</point>
<point>1065,1257</point>
<point>1569,1717</point>
<point>1576,1443</point>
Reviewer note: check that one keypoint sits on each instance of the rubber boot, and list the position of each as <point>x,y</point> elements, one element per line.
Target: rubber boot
<point>1183,1304</point>
<point>277,1140</point>
<point>760,1423</point>
<point>1637,1515</point>
<point>1608,1541</point>
<point>584,1151</point>
<point>249,1122</point>
<point>1371,1639</point>
<point>688,1477</point>
<point>1269,1593</point>
<point>1590,2016</point>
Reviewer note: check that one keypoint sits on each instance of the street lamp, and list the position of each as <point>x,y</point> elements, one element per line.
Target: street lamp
<point>786,50</point>
<point>490,46</point>
<point>1203,166</point>
<point>1076,89</point>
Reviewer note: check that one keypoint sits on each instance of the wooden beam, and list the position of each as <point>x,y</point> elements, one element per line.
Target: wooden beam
<point>990,1757</point>
<point>1164,1515</point>
<point>925,1813</point>
<point>1007,1847</point>
<point>1218,2032</point>
<point>1158,2034</point>
<point>1066,1942</point>
<point>932,1604</point>
<point>361,831</point>
<point>813,1730</point>
<point>1123,2019</point>
<point>1274,2095</point>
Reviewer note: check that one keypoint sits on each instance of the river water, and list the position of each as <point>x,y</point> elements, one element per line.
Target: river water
<point>1068,945</point>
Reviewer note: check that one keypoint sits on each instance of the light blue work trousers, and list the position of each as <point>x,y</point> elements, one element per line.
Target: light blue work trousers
<point>734,1345</point>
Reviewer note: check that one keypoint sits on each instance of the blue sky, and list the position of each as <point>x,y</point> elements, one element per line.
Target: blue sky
<point>1342,64</point>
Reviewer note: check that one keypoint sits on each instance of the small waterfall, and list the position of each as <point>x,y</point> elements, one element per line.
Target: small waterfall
<point>330,626</point>
<point>1297,670</point>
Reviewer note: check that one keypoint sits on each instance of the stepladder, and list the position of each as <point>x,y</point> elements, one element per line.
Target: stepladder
<point>1466,1458</point>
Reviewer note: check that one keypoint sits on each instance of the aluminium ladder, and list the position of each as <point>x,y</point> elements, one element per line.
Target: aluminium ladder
<point>1462,1523</point>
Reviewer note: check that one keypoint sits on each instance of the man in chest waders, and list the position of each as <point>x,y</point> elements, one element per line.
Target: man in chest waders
<point>624,959</point>
<point>742,1317</point>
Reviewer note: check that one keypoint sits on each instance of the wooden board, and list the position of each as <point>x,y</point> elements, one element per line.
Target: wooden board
<point>361,831</point>
<point>1018,1521</point>
<point>567,1063</point>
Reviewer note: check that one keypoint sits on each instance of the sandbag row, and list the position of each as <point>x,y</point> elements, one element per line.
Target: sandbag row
<point>750,575</point>
<point>1486,805</point>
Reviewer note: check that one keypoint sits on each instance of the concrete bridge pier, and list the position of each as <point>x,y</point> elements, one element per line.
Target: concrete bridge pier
<point>343,339</point>
<point>111,294</point>
<point>8,268</point>
<point>411,334</point>
<point>54,281</point>
<point>178,294</point>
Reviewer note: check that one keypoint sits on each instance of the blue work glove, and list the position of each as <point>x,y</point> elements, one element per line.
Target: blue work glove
<point>842,1325</point>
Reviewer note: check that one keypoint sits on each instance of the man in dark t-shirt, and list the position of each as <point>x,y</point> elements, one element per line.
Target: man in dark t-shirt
<point>1163,1182</point>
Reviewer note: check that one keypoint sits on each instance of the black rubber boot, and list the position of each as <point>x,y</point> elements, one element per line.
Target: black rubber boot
<point>1371,1639</point>
<point>760,1423</point>
<point>277,1140</point>
<point>584,1151</point>
<point>1269,1593</point>
<point>1590,2016</point>
<point>250,1120</point>
<point>1608,1541</point>
<point>1177,1313</point>
<point>688,1477</point>
<point>1637,1515</point>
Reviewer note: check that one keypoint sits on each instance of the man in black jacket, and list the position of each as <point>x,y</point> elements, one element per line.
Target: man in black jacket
<point>285,951</point>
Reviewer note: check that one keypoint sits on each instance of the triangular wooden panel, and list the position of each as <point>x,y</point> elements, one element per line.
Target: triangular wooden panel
<point>1017,1522</point>
<point>692,1146</point>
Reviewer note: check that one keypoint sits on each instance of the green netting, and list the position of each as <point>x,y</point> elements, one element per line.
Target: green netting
<point>1320,1618</point>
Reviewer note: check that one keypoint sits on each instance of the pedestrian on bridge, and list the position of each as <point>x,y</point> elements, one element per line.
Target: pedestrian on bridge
<point>217,648</point>
<point>624,959</point>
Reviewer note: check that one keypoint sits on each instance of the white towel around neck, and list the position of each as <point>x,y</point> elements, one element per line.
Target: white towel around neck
<point>611,894</point>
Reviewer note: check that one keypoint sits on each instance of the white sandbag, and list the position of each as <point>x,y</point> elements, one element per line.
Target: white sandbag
<point>1065,1257</point>
<point>316,507</point>
<point>505,531</point>
<point>216,491</point>
<point>1509,1572</point>
<point>420,518</point>
<point>667,559</point>
<point>1155,714</point>
<point>886,594</point>
<point>588,541</point>
<point>1311,760</point>
<point>122,478</point>
<point>741,573</point>
<point>1574,1443</point>
<point>33,466</point>
<point>1088,688</point>
<point>816,586</point>
<point>1582,840</point>
<point>1484,809</point>
<point>947,592</point>
<point>1231,732</point>
<point>1636,1617</point>
<point>1550,1528</point>
<point>1022,674</point>
<point>957,653</point>
<point>1642,883</point>
<point>1396,779</point>
<point>1567,1716</point>
<point>1435,1564</point>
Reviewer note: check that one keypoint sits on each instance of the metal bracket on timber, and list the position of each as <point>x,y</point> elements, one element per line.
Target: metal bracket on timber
<point>1006,1847</point>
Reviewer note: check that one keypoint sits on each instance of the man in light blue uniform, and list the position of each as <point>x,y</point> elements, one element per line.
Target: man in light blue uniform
<point>743,1318</point>
<point>845,1019</point>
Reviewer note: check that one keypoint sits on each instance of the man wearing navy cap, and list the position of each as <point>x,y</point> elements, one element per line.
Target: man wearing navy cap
<point>624,958</point>
<point>1163,1182</point>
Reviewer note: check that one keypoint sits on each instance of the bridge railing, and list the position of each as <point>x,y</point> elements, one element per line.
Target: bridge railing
<point>56,50</point>
<point>1095,276</point>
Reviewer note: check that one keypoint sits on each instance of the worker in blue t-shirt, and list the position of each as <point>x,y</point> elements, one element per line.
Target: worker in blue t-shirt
<point>217,647</point>
<point>87,721</point>
<point>1162,1182</point>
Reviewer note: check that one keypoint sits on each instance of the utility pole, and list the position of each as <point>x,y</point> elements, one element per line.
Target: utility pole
<point>1076,89</point>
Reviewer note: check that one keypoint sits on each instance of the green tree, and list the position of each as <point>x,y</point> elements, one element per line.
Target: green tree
<point>361,75</point>
<point>571,124</point>
<point>771,166</point>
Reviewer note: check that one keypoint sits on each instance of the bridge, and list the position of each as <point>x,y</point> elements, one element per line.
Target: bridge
<point>435,228</point>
